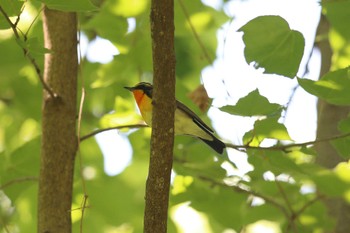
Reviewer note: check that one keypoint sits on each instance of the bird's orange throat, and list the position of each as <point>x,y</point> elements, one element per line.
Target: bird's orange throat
<point>145,105</point>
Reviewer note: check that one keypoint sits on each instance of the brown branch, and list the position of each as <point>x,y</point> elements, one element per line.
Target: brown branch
<point>27,53</point>
<point>111,128</point>
<point>243,148</point>
<point>18,180</point>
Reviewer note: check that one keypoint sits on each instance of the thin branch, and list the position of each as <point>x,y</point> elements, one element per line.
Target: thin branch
<point>18,180</point>
<point>32,23</point>
<point>27,53</point>
<point>290,208</point>
<point>206,54</point>
<point>111,128</point>
<point>243,148</point>
<point>83,207</point>
<point>249,192</point>
<point>307,205</point>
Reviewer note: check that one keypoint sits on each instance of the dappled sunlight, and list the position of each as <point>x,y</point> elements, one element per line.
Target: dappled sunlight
<point>188,220</point>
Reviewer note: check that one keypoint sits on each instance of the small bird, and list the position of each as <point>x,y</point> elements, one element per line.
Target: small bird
<point>186,121</point>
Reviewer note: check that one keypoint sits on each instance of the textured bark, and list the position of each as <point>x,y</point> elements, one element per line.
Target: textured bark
<point>328,117</point>
<point>59,141</point>
<point>158,182</point>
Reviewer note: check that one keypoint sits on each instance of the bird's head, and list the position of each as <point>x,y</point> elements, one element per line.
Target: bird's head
<point>143,94</point>
<point>141,89</point>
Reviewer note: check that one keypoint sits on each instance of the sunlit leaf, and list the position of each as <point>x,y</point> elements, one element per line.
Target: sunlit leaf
<point>253,104</point>
<point>334,87</point>
<point>127,8</point>
<point>270,128</point>
<point>337,12</point>
<point>272,45</point>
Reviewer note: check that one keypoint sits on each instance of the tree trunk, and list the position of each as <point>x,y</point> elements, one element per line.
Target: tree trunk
<point>328,117</point>
<point>162,140</point>
<point>59,140</point>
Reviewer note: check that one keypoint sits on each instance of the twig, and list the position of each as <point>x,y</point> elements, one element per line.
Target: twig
<point>27,53</point>
<point>80,115</point>
<point>206,54</point>
<point>307,205</point>
<point>243,148</point>
<point>249,192</point>
<point>111,128</point>
<point>290,208</point>
<point>18,180</point>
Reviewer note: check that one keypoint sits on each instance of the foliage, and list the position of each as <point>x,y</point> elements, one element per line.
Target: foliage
<point>282,186</point>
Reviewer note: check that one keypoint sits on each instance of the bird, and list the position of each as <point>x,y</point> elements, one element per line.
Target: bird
<point>186,121</point>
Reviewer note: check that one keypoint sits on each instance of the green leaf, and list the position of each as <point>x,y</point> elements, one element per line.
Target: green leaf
<point>253,104</point>
<point>270,128</point>
<point>68,5</point>
<point>334,87</point>
<point>337,12</point>
<point>341,145</point>
<point>12,8</point>
<point>21,169</point>
<point>220,203</point>
<point>272,45</point>
<point>108,25</point>
<point>127,8</point>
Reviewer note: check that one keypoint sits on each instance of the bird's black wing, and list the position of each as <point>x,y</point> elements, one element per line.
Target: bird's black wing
<point>194,117</point>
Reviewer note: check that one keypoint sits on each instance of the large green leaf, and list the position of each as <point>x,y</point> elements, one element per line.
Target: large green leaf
<point>272,45</point>
<point>334,87</point>
<point>253,104</point>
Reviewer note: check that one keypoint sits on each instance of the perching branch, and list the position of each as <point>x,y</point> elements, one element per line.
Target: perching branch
<point>111,128</point>
<point>244,148</point>
<point>27,53</point>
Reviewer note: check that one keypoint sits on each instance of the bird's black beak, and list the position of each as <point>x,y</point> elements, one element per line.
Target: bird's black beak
<point>129,88</point>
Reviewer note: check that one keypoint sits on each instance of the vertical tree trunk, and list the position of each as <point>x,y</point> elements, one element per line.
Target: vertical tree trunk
<point>328,117</point>
<point>158,182</point>
<point>59,141</point>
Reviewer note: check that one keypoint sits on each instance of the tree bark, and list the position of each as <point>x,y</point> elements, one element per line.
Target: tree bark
<point>59,140</point>
<point>162,140</point>
<point>328,117</point>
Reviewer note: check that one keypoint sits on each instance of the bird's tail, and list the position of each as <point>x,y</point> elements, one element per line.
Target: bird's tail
<point>216,144</point>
